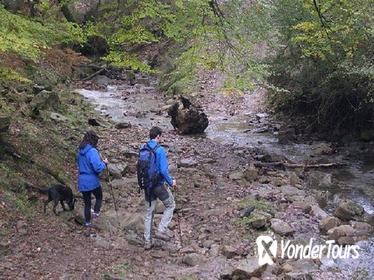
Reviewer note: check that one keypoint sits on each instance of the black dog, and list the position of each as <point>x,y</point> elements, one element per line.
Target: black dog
<point>60,193</point>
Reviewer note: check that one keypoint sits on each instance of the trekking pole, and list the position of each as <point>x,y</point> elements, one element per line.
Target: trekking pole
<point>112,192</point>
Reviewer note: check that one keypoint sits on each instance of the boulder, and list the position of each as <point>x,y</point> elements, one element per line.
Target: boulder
<point>45,100</point>
<point>290,191</point>
<point>341,233</point>
<point>348,209</point>
<point>248,268</point>
<point>361,228</point>
<point>259,220</point>
<point>133,222</point>
<point>328,223</point>
<point>317,212</point>
<point>117,170</point>
<point>187,162</point>
<point>229,251</point>
<point>123,125</point>
<point>281,227</point>
<point>193,259</point>
<point>188,119</point>
<point>101,80</point>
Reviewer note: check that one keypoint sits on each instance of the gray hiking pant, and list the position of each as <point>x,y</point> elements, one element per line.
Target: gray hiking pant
<point>169,204</point>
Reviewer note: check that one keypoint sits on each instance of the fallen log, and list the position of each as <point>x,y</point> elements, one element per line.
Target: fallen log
<point>299,165</point>
<point>94,74</point>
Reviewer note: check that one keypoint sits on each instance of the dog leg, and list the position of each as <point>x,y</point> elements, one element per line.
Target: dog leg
<point>54,207</point>
<point>45,204</point>
<point>63,205</point>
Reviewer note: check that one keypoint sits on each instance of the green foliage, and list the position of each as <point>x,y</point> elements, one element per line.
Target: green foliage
<point>29,37</point>
<point>324,63</point>
<point>11,75</point>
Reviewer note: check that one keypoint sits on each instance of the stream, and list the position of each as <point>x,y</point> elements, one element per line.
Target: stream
<point>142,105</point>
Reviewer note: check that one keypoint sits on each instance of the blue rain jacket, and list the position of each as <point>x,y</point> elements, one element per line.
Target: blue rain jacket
<point>89,167</point>
<point>161,162</point>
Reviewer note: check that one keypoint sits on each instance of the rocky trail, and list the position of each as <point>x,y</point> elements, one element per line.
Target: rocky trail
<point>214,230</point>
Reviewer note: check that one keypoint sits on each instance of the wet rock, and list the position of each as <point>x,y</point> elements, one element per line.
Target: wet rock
<point>193,259</point>
<point>248,268</point>
<point>4,123</point>
<point>117,170</point>
<point>57,117</point>
<point>328,223</point>
<point>317,212</point>
<point>45,100</point>
<point>342,234</point>
<point>188,119</point>
<point>281,227</point>
<point>228,251</point>
<point>348,209</point>
<point>123,125</point>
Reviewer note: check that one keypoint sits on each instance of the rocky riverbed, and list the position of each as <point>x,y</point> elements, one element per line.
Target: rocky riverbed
<point>247,176</point>
<point>237,165</point>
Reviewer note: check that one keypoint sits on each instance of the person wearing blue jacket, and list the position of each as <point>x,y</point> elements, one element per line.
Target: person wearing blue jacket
<point>90,166</point>
<point>161,191</point>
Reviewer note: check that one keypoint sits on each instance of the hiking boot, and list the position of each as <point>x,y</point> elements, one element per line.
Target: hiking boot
<point>148,245</point>
<point>95,215</point>
<point>162,235</point>
<point>87,224</point>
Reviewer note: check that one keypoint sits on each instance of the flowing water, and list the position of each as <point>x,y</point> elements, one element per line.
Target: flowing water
<point>142,105</point>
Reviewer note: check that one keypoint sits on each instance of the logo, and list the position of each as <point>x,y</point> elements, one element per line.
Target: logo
<point>267,249</point>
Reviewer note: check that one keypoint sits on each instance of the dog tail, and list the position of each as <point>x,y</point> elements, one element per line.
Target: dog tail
<point>42,189</point>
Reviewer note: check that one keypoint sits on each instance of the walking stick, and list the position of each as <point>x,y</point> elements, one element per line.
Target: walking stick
<point>112,192</point>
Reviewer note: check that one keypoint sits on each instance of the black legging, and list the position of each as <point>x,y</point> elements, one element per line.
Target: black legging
<point>98,193</point>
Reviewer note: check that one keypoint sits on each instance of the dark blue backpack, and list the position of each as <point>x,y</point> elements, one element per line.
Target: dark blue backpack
<point>148,174</point>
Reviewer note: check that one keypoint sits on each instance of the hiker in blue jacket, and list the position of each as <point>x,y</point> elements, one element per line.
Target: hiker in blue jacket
<point>160,191</point>
<point>90,166</point>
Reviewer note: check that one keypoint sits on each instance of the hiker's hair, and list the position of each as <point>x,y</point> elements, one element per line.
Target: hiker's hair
<point>154,132</point>
<point>89,138</point>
